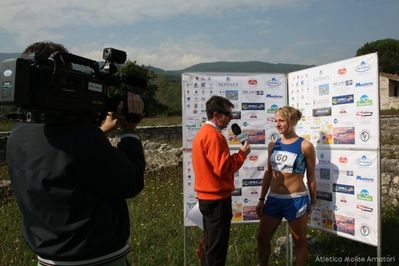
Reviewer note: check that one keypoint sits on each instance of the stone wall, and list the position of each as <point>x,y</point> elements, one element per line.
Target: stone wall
<point>159,154</point>
<point>163,134</point>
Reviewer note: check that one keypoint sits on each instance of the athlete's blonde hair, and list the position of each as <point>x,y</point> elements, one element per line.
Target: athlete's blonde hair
<point>290,114</point>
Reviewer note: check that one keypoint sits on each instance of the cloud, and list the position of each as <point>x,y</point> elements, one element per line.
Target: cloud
<point>299,51</point>
<point>45,19</point>
<point>177,54</point>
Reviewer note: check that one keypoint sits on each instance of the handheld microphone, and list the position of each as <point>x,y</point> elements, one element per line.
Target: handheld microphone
<point>242,137</point>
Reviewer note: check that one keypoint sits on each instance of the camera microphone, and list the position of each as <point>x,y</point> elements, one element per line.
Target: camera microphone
<point>242,137</point>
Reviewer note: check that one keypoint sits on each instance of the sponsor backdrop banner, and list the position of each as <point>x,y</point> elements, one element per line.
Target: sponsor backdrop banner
<point>256,97</point>
<point>340,107</point>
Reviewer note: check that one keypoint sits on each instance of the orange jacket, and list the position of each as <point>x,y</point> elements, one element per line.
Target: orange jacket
<point>213,165</point>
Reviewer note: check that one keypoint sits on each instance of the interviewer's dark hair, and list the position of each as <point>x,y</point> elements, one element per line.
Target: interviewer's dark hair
<point>43,48</point>
<point>217,104</point>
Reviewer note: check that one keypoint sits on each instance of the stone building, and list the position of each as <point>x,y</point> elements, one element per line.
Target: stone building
<point>389,91</point>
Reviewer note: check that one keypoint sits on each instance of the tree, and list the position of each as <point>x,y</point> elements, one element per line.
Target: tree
<point>388,54</point>
<point>139,81</point>
<point>169,93</point>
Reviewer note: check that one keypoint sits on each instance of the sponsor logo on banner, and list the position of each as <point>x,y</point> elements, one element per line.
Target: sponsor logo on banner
<point>344,224</point>
<point>245,124</point>
<point>364,84</point>
<point>237,182</point>
<point>364,135</point>
<point>252,82</point>
<point>343,172</point>
<point>324,89</point>
<point>342,111</point>
<point>344,83</point>
<point>251,191</point>
<point>274,136</point>
<point>363,67</point>
<point>271,119</point>
<point>274,96</point>
<point>318,112</point>
<point>321,77</point>
<point>364,208</point>
<point>336,121</point>
<point>273,83</point>
<point>272,109</point>
<point>326,137</point>
<point>342,99</point>
<point>344,135</point>
<point>323,160</point>
<point>252,106</point>
<point>252,93</point>
<point>251,182</point>
<point>256,136</point>
<point>324,195</point>
<point>364,195</point>
<point>325,173</point>
<point>232,95</point>
<point>365,179</point>
<point>342,71</point>
<point>228,83</point>
<point>253,168</point>
<point>364,230</point>
<point>322,102</point>
<point>343,200</point>
<point>364,113</point>
<point>341,188</point>
<point>343,159</point>
<point>364,161</point>
<point>327,218</point>
<point>326,187</point>
<point>236,192</point>
<point>253,158</point>
<point>253,116</point>
<point>236,115</point>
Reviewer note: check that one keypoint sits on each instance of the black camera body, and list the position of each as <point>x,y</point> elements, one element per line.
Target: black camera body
<point>41,88</point>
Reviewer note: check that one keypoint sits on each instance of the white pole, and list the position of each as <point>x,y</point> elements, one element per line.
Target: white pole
<point>185,245</point>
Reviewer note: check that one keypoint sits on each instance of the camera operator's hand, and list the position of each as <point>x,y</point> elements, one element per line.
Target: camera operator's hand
<point>135,107</point>
<point>111,121</point>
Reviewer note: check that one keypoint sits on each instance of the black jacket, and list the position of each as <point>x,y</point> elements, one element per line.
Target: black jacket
<point>71,186</point>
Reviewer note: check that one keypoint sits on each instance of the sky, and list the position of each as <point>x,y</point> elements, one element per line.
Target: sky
<point>176,34</point>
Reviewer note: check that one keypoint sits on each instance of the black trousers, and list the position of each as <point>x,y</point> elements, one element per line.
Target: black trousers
<point>217,216</point>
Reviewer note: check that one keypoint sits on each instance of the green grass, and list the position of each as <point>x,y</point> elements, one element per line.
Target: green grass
<point>13,250</point>
<point>6,125</point>
<point>4,173</point>
<point>157,232</point>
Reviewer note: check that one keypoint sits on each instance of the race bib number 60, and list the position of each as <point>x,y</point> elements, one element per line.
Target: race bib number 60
<point>283,161</point>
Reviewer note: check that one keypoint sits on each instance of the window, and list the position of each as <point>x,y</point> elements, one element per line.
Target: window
<point>393,88</point>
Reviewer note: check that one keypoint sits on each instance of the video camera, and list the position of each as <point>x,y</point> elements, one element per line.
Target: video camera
<point>44,88</point>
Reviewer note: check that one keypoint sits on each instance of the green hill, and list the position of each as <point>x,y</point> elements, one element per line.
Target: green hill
<point>249,67</point>
<point>4,56</point>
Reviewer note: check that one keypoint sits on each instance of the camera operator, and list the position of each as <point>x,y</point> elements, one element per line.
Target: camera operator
<point>71,185</point>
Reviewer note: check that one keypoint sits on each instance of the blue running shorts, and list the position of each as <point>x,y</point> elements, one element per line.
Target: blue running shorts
<point>289,206</point>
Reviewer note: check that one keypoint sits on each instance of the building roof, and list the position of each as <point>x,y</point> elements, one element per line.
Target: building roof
<point>390,76</point>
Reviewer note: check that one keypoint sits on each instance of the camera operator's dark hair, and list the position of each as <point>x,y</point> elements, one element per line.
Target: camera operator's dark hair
<point>43,49</point>
<point>217,104</point>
